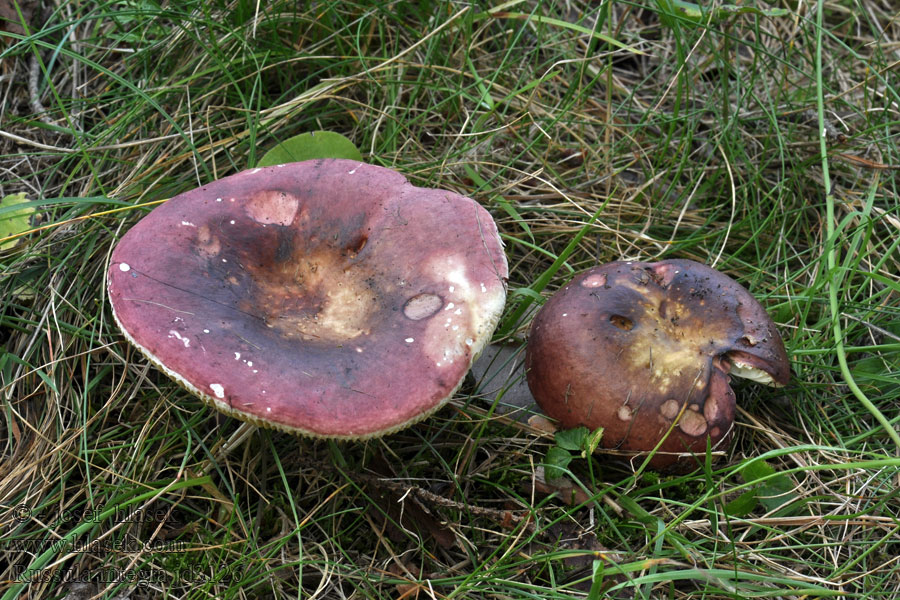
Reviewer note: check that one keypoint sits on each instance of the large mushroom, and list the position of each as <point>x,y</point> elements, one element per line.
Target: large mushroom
<point>329,298</point>
<point>645,351</point>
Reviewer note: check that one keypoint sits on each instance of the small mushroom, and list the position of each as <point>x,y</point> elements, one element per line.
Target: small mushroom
<point>645,351</point>
<point>329,298</point>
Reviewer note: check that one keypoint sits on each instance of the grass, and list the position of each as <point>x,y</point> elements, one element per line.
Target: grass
<point>686,137</point>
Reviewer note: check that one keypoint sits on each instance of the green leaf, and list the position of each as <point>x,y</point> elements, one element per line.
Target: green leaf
<point>776,491</point>
<point>591,442</point>
<point>14,222</point>
<point>556,461</point>
<point>596,590</point>
<point>309,146</point>
<point>756,470</point>
<point>572,439</point>
<point>743,505</point>
<point>876,374</point>
<point>697,13</point>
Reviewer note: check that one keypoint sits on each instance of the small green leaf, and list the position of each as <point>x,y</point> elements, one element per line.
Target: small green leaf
<point>596,590</point>
<point>309,146</point>
<point>591,442</point>
<point>697,13</point>
<point>743,505</point>
<point>876,374</point>
<point>775,492</point>
<point>572,439</point>
<point>555,463</point>
<point>731,9</point>
<point>14,222</point>
<point>756,470</point>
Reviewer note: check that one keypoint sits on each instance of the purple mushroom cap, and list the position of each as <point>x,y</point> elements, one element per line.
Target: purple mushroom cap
<point>329,298</point>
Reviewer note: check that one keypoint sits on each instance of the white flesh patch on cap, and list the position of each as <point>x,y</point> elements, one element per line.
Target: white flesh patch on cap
<point>595,280</point>
<point>218,390</point>
<point>184,340</point>
<point>124,267</point>
<point>692,423</point>
<point>273,207</point>
<point>468,317</point>
<point>670,408</point>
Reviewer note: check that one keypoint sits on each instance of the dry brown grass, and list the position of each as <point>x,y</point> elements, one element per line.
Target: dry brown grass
<point>704,146</point>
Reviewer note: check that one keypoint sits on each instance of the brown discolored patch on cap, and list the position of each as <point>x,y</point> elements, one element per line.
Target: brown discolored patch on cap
<point>329,298</point>
<point>666,336</point>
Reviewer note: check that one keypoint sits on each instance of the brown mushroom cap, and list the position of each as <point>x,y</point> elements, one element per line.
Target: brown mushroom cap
<point>645,350</point>
<point>329,298</point>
